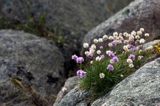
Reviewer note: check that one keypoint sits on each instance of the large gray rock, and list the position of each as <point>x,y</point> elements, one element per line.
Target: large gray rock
<point>76,97</point>
<point>140,89</point>
<point>68,86</point>
<point>73,17</point>
<point>35,61</point>
<point>140,13</point>
<point>69,19</point>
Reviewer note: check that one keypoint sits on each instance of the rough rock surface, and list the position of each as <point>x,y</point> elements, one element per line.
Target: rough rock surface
<point>140,89</point>
<point>73,17</point>
<point>140,13</point>
<point>35,61</point>
<point>69,85</point>
<point>150,45</point>
<point>75,97</point>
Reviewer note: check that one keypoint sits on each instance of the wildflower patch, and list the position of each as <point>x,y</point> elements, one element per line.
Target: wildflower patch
<point>111,58</point>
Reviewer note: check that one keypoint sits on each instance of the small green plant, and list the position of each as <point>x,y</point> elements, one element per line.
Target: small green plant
<point>110,59</point>
<point>36,27</point>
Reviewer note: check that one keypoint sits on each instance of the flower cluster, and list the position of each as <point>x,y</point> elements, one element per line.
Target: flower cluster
<point>79,60</point>
<point>111,57</point>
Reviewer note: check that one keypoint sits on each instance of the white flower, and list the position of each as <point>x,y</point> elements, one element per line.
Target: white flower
<point>98,52</point>
<point>146,34</point>
<point>108,51</point>
<point>86,53</point>
<point>125,33</point>
<point>91,62</point>
<point>91,51</point>
<point>131,65</point>
<point>110,38</point>
<point>133,33</point>
<point>111,61</point>
<point>110,44</point>
<point>139,32</point>
<point>98,58</point>
<point>93,46</point>
<point>115,34</point>
<point>85,45</point>
<point>105,37</point>
<point>140,57</point>
<point>125,47</point>
<point>137,37</point>
<point>129,61</point>
<point>131,38</point>
<point>141,41</point>
<point>95,41</point>
<point>140,51</point>
<point>100,40</point>
<point>122,75</point>
<point>101,75</point>
<point>142,29</point>
<point>64,89</point>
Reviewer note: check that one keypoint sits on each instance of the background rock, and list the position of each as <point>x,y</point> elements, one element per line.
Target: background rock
<point>68,86</point>
<point>140,13</point>
<point>73,17</point>
<point>70,20</point>
<point>35,61</point>
<point>141,88</point>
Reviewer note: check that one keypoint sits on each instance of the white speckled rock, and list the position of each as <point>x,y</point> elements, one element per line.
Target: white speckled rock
<point>34,60</point>
<point>139,89</point>
<point>76,97</point>
<point>140,13</point>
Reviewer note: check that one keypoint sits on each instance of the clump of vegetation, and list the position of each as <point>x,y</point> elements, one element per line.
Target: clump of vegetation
<point>36,27</point>
<point>110,59</point>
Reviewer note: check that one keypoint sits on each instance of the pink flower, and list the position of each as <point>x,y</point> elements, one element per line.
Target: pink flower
<point>110,53</point>
<point>115,59</point>
<point>110,67</point>
<point>80,60</point>
<point>132,56</point>
<point>81,73</point>
<point>74,57</point>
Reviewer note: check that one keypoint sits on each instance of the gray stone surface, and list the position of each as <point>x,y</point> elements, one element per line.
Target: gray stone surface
<point>68,86</point>
<point>73,17</point>
<point>140,13</point>
<point>35,61</point>
<point>151,44</point>
<point>75,97</point>
<point>139,89</point>
<point>68,19</point>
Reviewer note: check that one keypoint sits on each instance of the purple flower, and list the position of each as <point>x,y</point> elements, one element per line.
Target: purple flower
<point>80,60</point>
<point>132,56</point>
<point>110,53</point>
<point>114,43</point>
<point>133,48</point>
<point>81,73</point>
<point>115,59</point>
<point>74,57</point>
<point>110,67</point>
